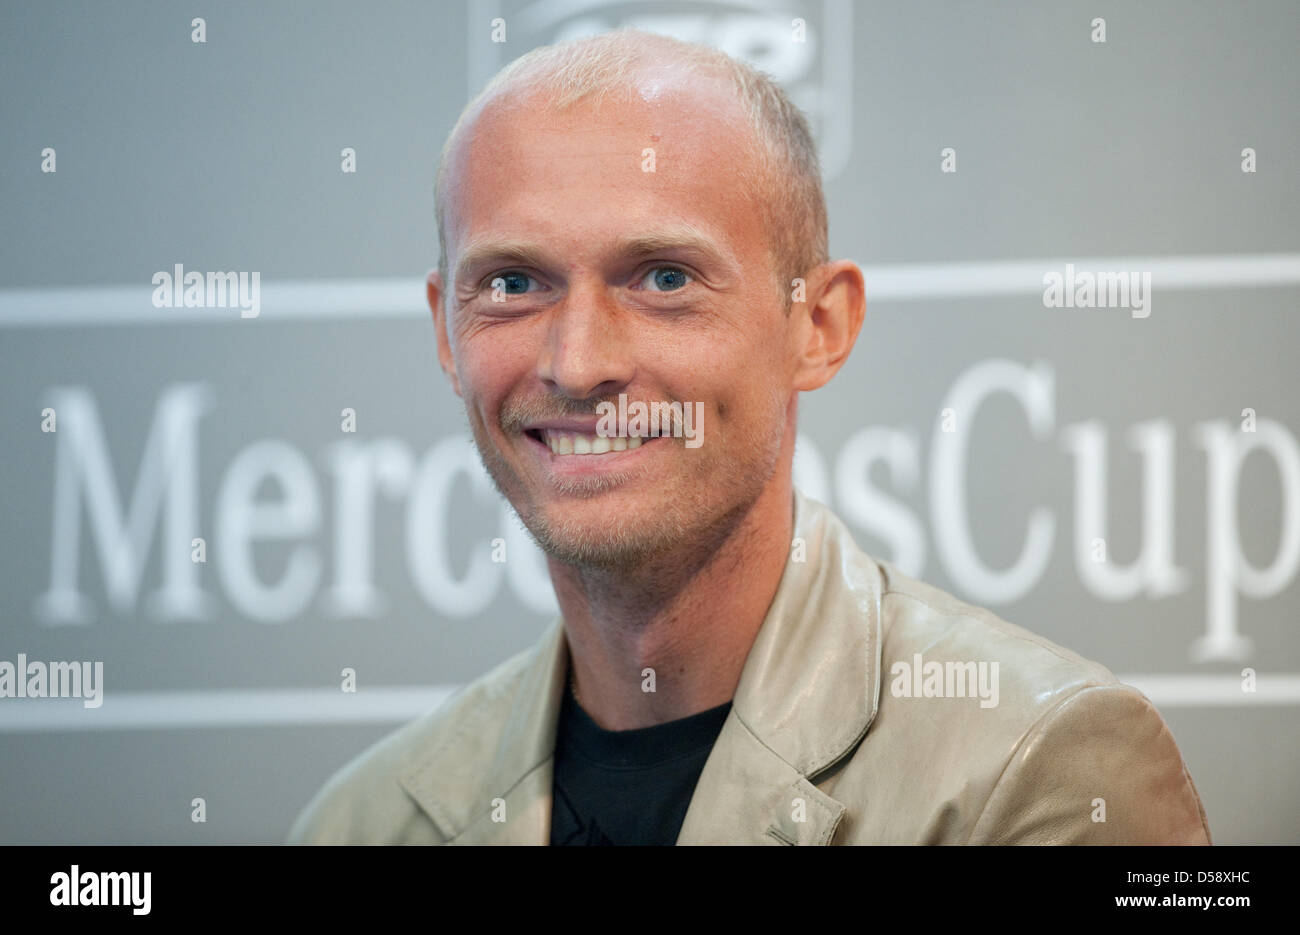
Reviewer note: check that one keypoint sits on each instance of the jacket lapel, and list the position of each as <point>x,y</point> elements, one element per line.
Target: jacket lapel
<point>807,695</point>
<point>510,802</point>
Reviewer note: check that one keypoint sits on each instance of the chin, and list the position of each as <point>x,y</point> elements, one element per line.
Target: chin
<point>612,544</point>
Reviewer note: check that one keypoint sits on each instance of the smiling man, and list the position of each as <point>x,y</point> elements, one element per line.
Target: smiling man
<point>633,220</point>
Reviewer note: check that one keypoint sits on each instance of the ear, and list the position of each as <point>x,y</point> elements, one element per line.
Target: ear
<point>830,321</point>
<point>437,306</point>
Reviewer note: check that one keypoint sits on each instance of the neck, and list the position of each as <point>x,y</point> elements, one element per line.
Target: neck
<point>691,616</point>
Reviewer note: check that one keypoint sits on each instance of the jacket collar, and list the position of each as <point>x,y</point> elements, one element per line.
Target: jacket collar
<point>806,697</point>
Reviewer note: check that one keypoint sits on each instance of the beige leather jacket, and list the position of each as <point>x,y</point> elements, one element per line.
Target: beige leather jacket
<point>841,732</point>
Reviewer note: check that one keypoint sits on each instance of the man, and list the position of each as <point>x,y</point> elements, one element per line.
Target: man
<point>632,221</point>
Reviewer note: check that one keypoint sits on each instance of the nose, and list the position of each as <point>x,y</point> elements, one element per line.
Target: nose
<point>587,353</point>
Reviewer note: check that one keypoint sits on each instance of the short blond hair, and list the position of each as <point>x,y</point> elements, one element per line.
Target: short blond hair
<point>789,182</point>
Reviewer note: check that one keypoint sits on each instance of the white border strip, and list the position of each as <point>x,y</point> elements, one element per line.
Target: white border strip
<point>969,280</point>
<point>1216,691</point>
<point>314,300</point>
<point>398,704</point>
<point>310,300</point>
<point>236,708</point>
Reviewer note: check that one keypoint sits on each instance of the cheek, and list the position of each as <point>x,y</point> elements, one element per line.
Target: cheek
<point>486,372</point>
<point>758,375</point>
<point>755,408</point>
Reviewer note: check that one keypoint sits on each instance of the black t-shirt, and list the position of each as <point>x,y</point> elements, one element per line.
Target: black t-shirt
<point>627,786</point>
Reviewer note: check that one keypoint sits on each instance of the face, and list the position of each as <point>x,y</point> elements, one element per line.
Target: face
<point>594,254</point>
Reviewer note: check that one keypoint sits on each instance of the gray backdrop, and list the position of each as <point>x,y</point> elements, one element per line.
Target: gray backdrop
<point>330,550</point>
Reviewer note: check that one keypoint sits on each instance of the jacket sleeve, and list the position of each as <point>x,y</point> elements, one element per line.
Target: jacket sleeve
<point>1101,767</point>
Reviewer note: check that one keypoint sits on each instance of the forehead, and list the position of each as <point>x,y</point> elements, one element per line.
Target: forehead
<point>669,150</point>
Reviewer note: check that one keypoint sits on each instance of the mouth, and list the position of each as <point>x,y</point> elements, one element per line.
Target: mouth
<point>566,442</point>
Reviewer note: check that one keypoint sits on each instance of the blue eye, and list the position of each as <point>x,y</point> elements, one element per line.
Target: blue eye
<point>667,279</point>
<point>511,283</point>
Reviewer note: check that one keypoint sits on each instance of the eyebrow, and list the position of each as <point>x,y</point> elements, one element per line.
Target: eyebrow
<point>678,237</point>
<point>684,237</point>
<point>498,251</point>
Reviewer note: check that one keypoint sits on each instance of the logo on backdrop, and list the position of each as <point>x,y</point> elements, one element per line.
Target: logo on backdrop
<point>806,45</point>
<point>463,579</point>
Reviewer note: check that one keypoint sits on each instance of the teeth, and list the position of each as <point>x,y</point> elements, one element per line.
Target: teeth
<point>579,443</point>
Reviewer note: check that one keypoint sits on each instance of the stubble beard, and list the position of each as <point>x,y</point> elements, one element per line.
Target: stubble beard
<point>683,531</point>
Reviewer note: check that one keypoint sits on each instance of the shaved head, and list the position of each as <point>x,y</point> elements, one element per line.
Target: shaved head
<point>782,175</point>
